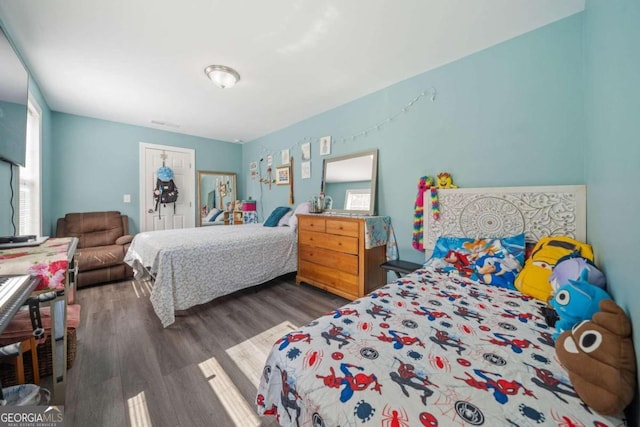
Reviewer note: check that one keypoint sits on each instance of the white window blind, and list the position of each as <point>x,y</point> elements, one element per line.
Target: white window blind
<point>29,219</point>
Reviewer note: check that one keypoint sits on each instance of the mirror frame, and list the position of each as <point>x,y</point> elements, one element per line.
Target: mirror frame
<point>202,173</point>
<point>374,181</point>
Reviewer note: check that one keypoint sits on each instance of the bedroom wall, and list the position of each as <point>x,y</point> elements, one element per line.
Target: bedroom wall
<point>612,75</point>
<point>97,162</point>
<point>509,115</point>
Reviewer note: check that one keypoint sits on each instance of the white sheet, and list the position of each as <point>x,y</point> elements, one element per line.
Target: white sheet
<point>195,265</point>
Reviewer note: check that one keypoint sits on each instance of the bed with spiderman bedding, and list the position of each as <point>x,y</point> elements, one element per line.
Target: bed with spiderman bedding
<point>444,345</point>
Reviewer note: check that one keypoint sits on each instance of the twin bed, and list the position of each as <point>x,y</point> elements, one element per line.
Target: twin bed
<point>435,349</point>
<point>194,266</point>
<point>427,349</point>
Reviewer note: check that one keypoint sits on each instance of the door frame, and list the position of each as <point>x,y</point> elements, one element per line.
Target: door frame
<point>143,146</point>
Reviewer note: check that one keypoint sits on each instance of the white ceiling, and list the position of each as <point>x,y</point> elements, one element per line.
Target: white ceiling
<point>138,61</point>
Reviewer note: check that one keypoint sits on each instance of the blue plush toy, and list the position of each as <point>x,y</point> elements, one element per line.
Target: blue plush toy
<point>576,301</point>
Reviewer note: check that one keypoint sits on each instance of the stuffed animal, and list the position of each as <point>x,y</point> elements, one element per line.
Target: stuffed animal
<point>599,357</point>
<point>576,301</point>
<point>445,180</point>
<point>570,269</point>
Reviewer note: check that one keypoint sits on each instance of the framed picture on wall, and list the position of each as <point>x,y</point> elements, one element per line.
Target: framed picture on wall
<point>305,170</point>
<point>282,175</point>
<point>325,145</point>
<point>306,151</point>
<point>285,156</point>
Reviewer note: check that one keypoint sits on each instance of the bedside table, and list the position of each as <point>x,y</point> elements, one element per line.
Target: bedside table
<point>400,267</point>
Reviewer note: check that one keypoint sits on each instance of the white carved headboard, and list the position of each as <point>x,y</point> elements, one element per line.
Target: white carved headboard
<point>506,211</point>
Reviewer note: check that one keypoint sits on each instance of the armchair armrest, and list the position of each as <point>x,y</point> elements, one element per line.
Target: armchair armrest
<point>123,240</point>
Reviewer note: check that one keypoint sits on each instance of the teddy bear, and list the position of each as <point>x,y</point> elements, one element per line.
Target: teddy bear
<point>599,357</point>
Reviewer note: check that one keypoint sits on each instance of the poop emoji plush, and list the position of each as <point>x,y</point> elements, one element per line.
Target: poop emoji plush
<point>600,360</point>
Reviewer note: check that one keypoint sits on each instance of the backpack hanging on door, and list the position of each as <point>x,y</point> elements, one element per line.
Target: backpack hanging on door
<point>166,190</point>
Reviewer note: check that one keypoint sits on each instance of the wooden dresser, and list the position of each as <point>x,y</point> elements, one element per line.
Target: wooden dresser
<point>332,256</point>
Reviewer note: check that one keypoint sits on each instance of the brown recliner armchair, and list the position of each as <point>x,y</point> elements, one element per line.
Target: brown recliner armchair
<point>103,240</point>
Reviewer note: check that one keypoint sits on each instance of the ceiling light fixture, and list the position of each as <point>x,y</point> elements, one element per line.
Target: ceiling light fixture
<point>222,76</point>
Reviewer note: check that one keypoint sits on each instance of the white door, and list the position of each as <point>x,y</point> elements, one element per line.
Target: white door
<point>181,161</point>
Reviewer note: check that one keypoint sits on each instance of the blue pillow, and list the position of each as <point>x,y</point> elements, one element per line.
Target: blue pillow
<point>491,261</point>
<point>275,216</point>
<point>215,215</point>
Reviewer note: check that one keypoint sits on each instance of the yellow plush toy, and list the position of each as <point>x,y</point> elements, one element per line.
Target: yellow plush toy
<point>600,359</point>
<point>533,279</point>
<point>445,180</point>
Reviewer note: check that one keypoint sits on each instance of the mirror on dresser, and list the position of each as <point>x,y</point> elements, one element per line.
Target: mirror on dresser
<point>216,190</point>
<point>349,183</point>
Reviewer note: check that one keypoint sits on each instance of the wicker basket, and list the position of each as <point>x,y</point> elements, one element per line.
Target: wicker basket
<point>8,371</point>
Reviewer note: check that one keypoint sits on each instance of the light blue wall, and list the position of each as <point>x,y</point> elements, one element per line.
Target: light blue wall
<point>96,162</point>
<point>611,40</point>
<point>509,115</point>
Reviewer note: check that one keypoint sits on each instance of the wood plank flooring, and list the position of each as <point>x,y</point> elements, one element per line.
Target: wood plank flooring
<point>129,371</point>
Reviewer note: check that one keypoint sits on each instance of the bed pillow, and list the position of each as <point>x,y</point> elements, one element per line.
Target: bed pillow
<point>215,217</point>
<point>276,215</point>
<point>491,261</point>
<point>284,221</point>
<point>212,213</point>
<point>302,208</point>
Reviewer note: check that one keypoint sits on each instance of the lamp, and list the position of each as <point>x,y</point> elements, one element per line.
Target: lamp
<point>222,76</point>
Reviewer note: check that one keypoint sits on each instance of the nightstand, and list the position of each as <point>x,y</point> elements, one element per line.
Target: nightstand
<point>400,267</point>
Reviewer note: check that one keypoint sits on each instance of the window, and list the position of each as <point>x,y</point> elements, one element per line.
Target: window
<point>29,220</point>
<point>358,199</point>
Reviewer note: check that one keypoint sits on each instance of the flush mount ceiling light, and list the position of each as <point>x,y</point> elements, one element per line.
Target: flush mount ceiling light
<point>222,76</point>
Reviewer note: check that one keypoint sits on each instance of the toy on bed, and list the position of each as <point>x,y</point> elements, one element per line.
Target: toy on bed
<point>533,280</point>
<point>577,301</point>
<point>600,359</point>
<point>571,268</point>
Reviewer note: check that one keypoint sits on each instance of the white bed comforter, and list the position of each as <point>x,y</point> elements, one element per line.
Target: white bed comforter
<point>195,265</point>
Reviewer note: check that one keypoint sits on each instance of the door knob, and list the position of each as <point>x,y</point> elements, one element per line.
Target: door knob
<point>150,211</point>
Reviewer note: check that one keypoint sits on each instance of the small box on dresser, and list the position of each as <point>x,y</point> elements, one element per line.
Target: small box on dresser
<point>333,257</point>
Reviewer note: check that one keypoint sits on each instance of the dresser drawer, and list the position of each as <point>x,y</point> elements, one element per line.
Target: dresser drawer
<point>340,261</point>
<point>329,241</point>
<point>342,227</point>
<point>311,223</point>
<point>328,278</point>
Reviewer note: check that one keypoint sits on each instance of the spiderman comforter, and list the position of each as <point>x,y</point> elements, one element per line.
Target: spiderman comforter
<point>425,350</point>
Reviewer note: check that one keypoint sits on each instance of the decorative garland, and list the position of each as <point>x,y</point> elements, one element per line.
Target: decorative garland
<point>431,93</point>
<point>424,183</point>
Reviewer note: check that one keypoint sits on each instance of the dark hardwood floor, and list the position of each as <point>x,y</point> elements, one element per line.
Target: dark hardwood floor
<point>200,371</point>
